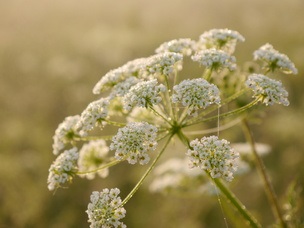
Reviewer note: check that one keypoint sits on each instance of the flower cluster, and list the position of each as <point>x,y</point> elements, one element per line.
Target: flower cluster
<point>223,39</point>
<point>113,77</point>
<point>150,101</point>
<point>92,155</point>
<point>133,141</point>
<point>274,59</point>
<point>213,155</point>
<point>163,63</point>
<point>65,133</point>
<point>122,88</point>
<point>195,94</point>
<point>94,115</point>
<point>143,94</point>
<point>63,169</point>
<point>183,46</point>
<point>105,209</point>
<point>270,90</point>
<point>215,59</point>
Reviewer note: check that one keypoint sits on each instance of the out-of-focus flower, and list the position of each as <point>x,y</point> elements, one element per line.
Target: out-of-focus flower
<point>93,155</point>
<point>275,60</point>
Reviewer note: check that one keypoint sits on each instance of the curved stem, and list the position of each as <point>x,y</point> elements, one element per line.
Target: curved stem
<point>226,114</point>
<point>112,163</point>
<point>211,109</point>
<point>262,170</point>
<point>129,196</point>
<point>216,129</point>
<point>229,195</point>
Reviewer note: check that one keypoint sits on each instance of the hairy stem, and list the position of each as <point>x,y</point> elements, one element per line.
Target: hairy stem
<point>262,170</point>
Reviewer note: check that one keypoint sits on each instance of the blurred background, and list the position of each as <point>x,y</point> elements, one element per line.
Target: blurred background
<point>52,53</point>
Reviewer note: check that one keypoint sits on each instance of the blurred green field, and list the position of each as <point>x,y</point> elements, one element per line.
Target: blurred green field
<point>53,52</point>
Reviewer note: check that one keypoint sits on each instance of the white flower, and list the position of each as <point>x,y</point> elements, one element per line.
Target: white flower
<point>105,210</point>
<point>213,155</point>
<point>63,169</point>
<point>215,59</point>
<point>195,94</point>
<point>163,64</point>
<point>93,155</point>
<point>223,39</point>
<point>133,141</point>
<point>122,88</point>
<point>94,115</point>
<point>143,94</point>
<point>65,133</point>
<point>270,90</point>
<point>274,59</point>
<point>113,77</point>
<point>175,175</point>
<point>183,46</point>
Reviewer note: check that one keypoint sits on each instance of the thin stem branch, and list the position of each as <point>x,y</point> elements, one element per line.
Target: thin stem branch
<point>112,163</point>
<point>215,107</point>
<point>262,170</point>
<point>226,114</point>
<point>129,196</point>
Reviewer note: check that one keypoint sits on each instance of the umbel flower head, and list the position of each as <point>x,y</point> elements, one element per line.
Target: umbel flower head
<point>93,155</point>
<point>133,141</point>
<point>215,59</point>
<point>65,133</point>
<point>63,169</point>
<point>163,64</point>
<point>113,77</point>
<point>269,90</point>
<point>93,115</point>
<point>223,39</point>
<point>275,60</point>
<point>183,46</point>
<point>143,94</point>
<point>105,209</point>
<point>213,155</point>
<point>195,94</point>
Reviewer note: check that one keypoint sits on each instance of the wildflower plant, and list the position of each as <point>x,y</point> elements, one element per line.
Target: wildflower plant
<point>148,102</point>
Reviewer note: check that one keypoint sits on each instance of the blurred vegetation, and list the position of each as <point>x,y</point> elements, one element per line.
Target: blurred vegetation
<point>53,52</point>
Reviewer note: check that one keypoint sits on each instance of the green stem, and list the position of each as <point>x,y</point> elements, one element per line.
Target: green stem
<point>229,195</point>
<point>129,196</point>
<point>112,163</point>
<point>207,74</point>
<point>226,114</point>
<point>262,170</point>
<point>236,202</point>
<point>213,108</point>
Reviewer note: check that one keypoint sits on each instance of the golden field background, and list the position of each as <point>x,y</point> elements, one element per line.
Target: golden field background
<point>53,52</point>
